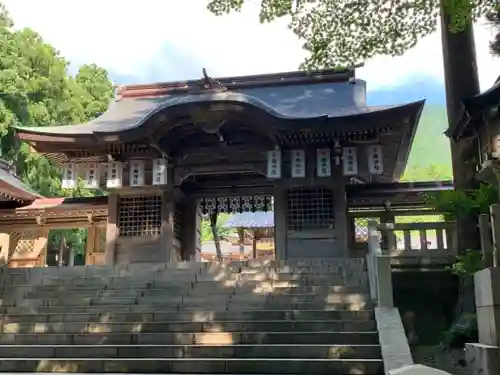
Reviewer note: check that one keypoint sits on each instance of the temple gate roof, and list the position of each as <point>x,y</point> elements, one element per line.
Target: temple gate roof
<point>12,188</point>
<point>317,97</point>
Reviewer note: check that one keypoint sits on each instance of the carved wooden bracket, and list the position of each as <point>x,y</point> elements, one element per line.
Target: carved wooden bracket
<point>40,220</point>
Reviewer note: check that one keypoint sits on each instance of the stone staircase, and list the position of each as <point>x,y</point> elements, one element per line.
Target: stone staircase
<point>303,317</point>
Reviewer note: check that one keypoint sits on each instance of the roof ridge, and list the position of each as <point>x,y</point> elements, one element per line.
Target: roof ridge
<point>234,82</point>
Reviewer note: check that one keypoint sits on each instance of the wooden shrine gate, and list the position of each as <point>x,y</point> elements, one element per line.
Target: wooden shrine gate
<point>25,231</point>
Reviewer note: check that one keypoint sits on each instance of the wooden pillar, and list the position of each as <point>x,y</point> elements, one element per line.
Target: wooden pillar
<point>112,229</point>
<point>90,245</point>
<point>167,225</point>
<point>189,236</point>
<point>4,248</point>
<point>41,242</point>
<point>388,236</point>
<point>340,220</point>
<point>280,237</point>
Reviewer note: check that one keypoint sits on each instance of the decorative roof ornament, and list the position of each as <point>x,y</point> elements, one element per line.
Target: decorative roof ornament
<point>118,91</point>
<point>208,83</point>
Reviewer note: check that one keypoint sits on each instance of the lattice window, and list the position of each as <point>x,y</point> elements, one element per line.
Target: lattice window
<point>23,243</point>
<point>310,208</point>
<point>139,216</point>
<point>361,228</point>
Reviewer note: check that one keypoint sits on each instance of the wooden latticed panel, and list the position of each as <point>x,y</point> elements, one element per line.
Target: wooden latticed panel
<point>23,244</point>
<point>139,216</point>
<point>27,248</point>
<point>310,209</point>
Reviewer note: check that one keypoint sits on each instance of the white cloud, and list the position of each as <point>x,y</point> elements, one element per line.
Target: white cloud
<point>132,38</point>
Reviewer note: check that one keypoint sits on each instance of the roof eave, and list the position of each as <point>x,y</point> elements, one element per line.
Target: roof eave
<point>408,136</point>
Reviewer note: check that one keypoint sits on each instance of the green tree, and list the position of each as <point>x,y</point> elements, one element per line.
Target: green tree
<point>494,20</point>
<point>346,32</point>
<point>36,90</point>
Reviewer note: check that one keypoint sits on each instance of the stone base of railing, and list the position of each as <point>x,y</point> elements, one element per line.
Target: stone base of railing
<point>417,370</point>
<point>482,359</point>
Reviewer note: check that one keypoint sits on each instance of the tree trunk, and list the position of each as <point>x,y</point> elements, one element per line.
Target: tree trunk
<point>461,81</point>
<point>241,240</point>
<point>215,235</point>
<point>62,246</point>
<point>254,243</point>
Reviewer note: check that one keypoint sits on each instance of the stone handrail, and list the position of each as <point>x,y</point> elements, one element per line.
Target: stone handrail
<point>432,238</point>
<point>394,345</point>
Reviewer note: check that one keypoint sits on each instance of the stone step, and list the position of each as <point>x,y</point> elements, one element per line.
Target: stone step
<point>233,293</point>
<point>165,298</point>
<point>195,316</point>
<point>187,338</point>
<point>188,326</point>
<point>191,351</point>
<point>196,366</point>
<point>235,307</point>
<point>48,291</point>
<point>26,307</point>
<point>168,275</point>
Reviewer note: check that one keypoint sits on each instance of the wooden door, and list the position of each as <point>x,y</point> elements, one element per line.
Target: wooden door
<point>96,246</point>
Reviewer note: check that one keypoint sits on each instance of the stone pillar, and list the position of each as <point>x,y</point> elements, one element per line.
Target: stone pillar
<point>280,235</point>
<point>484,358</point>
<point>487,291</point>
<point>112,230</point>
<point>167,225</point>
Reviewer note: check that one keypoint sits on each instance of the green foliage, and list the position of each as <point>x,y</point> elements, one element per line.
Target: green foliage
<point>36,90</point>
<point>464,331</point>
<point>458,203</point>
<point>345,32</point>
<point>468,264</point>
<point>494,20</point>
<point>206,230</point>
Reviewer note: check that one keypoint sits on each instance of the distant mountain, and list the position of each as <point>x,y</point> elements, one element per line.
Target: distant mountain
<point>430,145</point>
<point>426,88</point>
<point>430,156</point>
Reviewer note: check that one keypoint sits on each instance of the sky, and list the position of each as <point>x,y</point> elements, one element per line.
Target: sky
<point>165,40</point>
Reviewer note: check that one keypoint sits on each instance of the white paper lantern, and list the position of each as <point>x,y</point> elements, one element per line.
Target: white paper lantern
<point>69,176</point>
<point>323,162</point>
<point>298,163</point>
<point>274,164</point>
<point>114,177</point>
<point>92,174</point>
<point>160,171</point>
<point>375,159</point>
<point>350,161</point>
<point>137,173</point>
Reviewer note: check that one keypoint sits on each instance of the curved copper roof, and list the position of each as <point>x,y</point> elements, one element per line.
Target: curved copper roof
<point>12,188</point>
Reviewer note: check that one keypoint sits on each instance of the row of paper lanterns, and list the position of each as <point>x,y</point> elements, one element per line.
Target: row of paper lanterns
<point>137,175</point>
<point>324,162</point>
<point>114,174</point>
